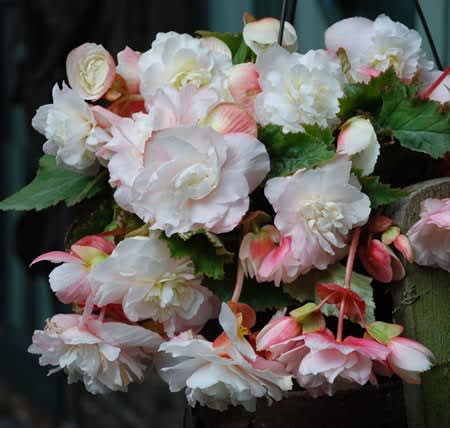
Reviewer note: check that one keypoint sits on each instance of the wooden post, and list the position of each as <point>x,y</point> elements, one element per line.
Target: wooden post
<point>421,304</point>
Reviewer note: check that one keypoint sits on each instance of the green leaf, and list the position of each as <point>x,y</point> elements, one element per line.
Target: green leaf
<point>304,288</point>
<point>260,297</point>
<point>52,185</point>
<point>232,40</point>
<point>292,151</point>
<point>315,322</point>
<point>383,331</point>
<point>379,193</point>
<point>419,125</point>
<point>206,250</point>
<point>303,312</point>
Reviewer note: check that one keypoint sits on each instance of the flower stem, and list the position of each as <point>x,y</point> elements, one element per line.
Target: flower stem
<point>340,329</point>
<point>351,258</point>
<point>436,83</point>
<point>102,314</point>
<point>238,284</point>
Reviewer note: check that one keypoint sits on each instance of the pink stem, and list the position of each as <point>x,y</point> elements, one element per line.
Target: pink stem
<point>325,300</point>
<point>238,284</point>
<point>436,83</point>
<point>88,308</point>
<point>102,314</point>
<point>340,329</point>
<point>351,258</point>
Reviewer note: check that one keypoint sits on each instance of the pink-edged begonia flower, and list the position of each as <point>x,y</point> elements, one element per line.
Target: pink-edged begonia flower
<point>128,69</point>
<point>68,125</point>
<point>105,356</point>
<point>90,71</point>
<point>379,44</point>
<point>243,84</point>
<point>178,60</point>
<point>317,208</point>
<point>267,256</point>
<point>261,34</point>
<point>276,331</point>
<point>218,376</point>
<point>69,281</point>
<point>298,89</point>
<point>359,140</point>
<point>408,358</point>
<point>430,236</point>
<point>195,178</point>
<point>150,284</point>
<point>380,262</point>
<point>336,294</point>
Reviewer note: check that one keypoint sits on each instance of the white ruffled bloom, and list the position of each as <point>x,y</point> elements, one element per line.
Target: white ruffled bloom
<point>141,275</point>
<point>220,376</point>
<point>178,60</point>
<point>378,45</point>
<point>196,178</point>
<point>317,208</point>
<point>67,124</point>
<point>298,89</point>
<point>105,356</point>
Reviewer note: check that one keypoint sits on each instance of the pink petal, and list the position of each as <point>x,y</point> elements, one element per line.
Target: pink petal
<point>104,117</point>
<point>376,260</point>
<point>128,105</point>
<point>243,84</point>
<point>98,242</point>
<point>128,68</point>
<point>371,348</point>
<point>56,257</point>
<point>229,118</point>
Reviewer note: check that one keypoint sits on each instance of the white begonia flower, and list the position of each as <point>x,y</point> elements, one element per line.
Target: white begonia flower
<point>90,70</point>
<point>298,89</point>
<point>196,178</point>
<point>317,208</point>
<point>261,34</point>
<point>378,45</point>
<point>67,124</point>
<point>105,356</point>
<point>220,376</point>
<point>141,275</point>
<point>178,60</point>
<point>359,140</point>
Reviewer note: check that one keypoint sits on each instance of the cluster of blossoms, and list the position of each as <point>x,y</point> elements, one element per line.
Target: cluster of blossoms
<point>178,133</point>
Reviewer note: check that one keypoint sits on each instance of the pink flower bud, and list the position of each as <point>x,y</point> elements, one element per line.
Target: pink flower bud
<point>243,84</point>
<point>379,223</point>
<point>404,246</point>
<point>90,70</point>
<point>409,358</point>
<point>380,262</point>
<point>276,331</point>
<point>359,140</point>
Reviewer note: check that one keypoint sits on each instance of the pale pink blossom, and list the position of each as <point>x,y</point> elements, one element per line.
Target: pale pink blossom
<point>69,281</point>
<point>141,275</point>
<point>195,178</point>
<point>408,359</point>
<point>378,45</point>
<point>219,375</point>
<point>243,84</point>
<point>105,356</point>
<point>359,140</point>
<point>128,69</point>
<point>267,256</point>
<point>430,236</point>
<point>90,70</point>
<point>317,209</point>
<point>263,33</point>
<point>276,331</point>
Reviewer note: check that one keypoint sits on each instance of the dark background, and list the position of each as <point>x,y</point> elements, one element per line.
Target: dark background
<point>35,37</point>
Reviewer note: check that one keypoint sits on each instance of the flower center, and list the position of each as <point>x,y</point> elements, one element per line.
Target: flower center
<point>196,181</point>
<point>94,73</point>
<point>190,74</point>
<point>322,217</point>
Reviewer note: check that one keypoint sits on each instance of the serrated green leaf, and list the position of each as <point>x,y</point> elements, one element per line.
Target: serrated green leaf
<point>292,151</point>
<point>206,250</point>
<point>51,186</point>
<point>418,124</point>
<point>260,297</point>
<point>232,40</point>
<point>379,193</point>
<point>304,288</point>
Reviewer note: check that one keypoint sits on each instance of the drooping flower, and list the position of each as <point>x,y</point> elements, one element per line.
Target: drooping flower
<point>267,256</point>
<point>379,44</point>
<point>90,70</point>
<point>128,69</point>
<point>150,284</point>
<point>219,375</point>
<point>317,208</point>
<point>69,281</point>
<point>430,236</point>
<point>409,358</point>
<point>277,330</point>
<point>359,140</point>
<point>195,178</point>
<point>298,89</point>
<point>67,124</point>
<point>380,262</point>
<point>178,60</point>
<point>263,33</point>
<point>105,356</point>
